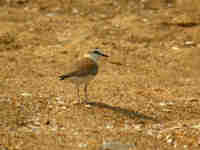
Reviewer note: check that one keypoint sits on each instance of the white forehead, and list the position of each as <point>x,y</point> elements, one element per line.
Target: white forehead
<point>97,49</point>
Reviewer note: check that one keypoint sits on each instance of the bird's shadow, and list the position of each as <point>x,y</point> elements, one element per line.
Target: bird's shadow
<point>126,112</point>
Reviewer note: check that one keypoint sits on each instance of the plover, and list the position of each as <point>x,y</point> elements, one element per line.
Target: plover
<point>84,70</point>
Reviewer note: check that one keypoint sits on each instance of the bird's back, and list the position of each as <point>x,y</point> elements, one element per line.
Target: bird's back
<point>85,69</point>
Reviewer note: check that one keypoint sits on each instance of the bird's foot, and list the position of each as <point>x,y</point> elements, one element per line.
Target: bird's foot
<point>76,103</point>
<point>86,103</point>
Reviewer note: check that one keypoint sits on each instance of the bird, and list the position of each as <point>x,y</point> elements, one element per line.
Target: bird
<point>83,71</point>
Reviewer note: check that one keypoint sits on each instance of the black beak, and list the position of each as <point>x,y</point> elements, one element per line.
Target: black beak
<point>99,53</point>
<point>104,55</point>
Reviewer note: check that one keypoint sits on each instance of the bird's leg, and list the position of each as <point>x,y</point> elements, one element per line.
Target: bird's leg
<point>79,98</point>
<point>85,90</point>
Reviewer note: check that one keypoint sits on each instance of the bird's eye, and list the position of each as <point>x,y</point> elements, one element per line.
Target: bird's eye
<point>96,52</point>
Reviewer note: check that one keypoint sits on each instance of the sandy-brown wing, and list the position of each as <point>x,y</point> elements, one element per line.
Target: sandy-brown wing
<point>86,67</point>
<point>82,68</point>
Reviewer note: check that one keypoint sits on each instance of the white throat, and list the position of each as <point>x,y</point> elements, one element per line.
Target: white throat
<point>94,57</point>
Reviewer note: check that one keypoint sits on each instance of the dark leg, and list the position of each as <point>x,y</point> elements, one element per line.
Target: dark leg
<point>79,98</point>
<point>85,90</point>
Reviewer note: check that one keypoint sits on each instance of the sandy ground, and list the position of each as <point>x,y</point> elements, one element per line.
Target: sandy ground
<point>145,97</point>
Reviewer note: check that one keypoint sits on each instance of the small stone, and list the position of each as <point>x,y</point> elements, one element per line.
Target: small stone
<point>116,146</point>
<point>51,14</point>
<point>189,43</point>
<point>58,98</point>
<point>169,141</point>
<point>75,11</point>
<point>138,127</point>
<point>109,126</point>
<point>197,126</point>
<point>83,145</point>
<point>145,20</point>
<point>175,48</point>
<point>163,104</point>
<point>26,94</point>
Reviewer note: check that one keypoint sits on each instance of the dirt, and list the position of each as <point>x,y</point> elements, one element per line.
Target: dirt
<point>145,96</point>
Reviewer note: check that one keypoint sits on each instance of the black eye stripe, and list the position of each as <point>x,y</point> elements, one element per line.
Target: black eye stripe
<point>96,52</point>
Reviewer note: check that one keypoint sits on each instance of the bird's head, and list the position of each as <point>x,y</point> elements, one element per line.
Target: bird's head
<point>95,54</point>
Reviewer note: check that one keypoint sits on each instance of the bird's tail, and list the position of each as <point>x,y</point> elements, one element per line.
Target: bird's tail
<point>63,77</point>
